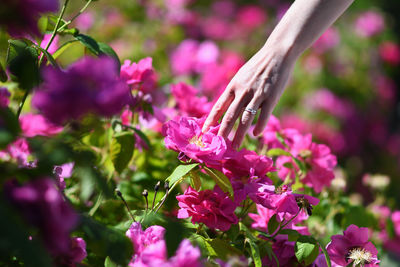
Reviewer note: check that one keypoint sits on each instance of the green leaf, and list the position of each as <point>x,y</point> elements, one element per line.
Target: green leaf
<point>293,235</point>
<point>104,241</point>
<point>22,62</point>
<point>221,180</point>
<point>63,47</point>
<point>306,249</point>
<point>109,263</point>
<point>278,152</point>
<point>300,164</point>
<point>107,50</point>
<point>221,249</point>
<point>255,253</point>
<point>3,74</point>
<point>273,224</point>
<point>122,147</point>
<point>195,180</point>
<point>89,42</point>
<point>180,171</point>
<point>173,236</point>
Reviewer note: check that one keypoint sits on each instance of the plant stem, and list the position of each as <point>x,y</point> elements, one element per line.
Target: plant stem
<point>284,225</point>
<point>22,103</point>
<point>76,15</point>
<point>53,35</point>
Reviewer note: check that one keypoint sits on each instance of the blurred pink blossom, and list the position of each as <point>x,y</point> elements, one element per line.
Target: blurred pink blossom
<point>328,40</point>
<point>35,124</point>
<point>369,23</point>
<point>139,76</point>
<point>251,16</point>
<point>85,21</point>
<point>390,52</point>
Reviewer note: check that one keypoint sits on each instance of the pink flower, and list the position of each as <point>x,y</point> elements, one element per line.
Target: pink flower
<point>139,76</point>
<point>353,247</point>
<point>85,21</point>
<point>186,256</point>
<point>18,150</point>
<point>396,222</point>
<point>78,250</point>
<point>186,136</point>
<point>35,124</point>
<point>327,41</point>
<point>54,45</point>
<point>150,249</point>
<point>369,24</point>
<point>211,207</point>
<point>247,163</point>
<point>251,16</point>
<point>191,56</point>
<point>62,172</point>
<point>390,52</point>
<point>188,102</point>
<point>4,97</point>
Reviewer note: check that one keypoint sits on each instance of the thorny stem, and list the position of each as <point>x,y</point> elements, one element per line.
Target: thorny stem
<point>119,194</point>
<point>74,17</point>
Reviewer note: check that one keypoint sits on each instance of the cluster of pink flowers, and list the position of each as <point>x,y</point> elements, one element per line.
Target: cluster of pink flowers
<point>369,23</point>
<point>189,104</point>
<point>150,249</point>
<point>317,158</point>
<point>247,172</point>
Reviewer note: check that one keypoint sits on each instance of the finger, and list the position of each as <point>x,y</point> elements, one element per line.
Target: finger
<point>230,117</point>
<point>245,122</point>
<point>218,109</point>
<point>266,111</point>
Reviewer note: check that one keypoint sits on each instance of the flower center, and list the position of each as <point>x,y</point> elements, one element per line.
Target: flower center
<point>197,140</point>
<point>360,256</point>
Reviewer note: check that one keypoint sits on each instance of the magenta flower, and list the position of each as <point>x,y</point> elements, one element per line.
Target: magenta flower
<point>88,86</point>
<point>246,163</point>
<point>369,24</point>
<point>62,172</point>
<point>150,249</point>
<point>390,53</point>
<point>251,16</point>
<point>353,247</point>
<point>42,205</point>
<point>20,17</point>
<point>139,76</point>
<point>280,199</point>
<point>211,207</point>
<point>35,124</point>
<point>19,151</point>
<point>189,104</point>
<point>186,136</point>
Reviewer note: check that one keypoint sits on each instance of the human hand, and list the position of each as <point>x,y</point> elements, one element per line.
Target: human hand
<point>257,85</point>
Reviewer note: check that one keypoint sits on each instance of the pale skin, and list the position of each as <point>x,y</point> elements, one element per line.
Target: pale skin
<point>260,82</point>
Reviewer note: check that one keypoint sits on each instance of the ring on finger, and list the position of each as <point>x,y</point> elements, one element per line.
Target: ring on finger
<point>251,110</point>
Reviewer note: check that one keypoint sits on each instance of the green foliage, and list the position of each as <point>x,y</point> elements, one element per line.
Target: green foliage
<point>306,249</point>
<point>121,150</point>
<point>273,224</point>
<point>9,128</point>
<point>221,180</point>
<point>180,172</point>
<point>22,61</point>
<point>103,241</point>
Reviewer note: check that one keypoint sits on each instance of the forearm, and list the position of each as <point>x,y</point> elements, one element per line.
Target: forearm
<point>304,23</point>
